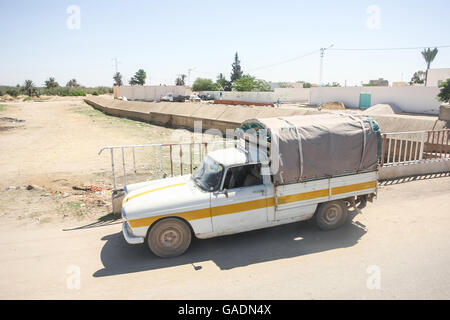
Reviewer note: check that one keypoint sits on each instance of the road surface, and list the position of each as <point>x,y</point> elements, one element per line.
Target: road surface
<point>397,248</point>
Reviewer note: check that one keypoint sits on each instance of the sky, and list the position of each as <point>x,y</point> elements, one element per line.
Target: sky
<point>276,40</point>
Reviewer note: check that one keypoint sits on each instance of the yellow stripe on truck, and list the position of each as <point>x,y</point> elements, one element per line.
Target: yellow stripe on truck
<point>251,205</point>
<point>153,190</point>
<point>353,187</point>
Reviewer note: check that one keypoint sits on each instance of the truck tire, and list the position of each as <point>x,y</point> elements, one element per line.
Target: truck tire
<point>169,237</point>
<point>331,215</point>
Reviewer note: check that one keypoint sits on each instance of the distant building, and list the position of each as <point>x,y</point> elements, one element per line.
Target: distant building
<point>436,76</point>
<point>379,83</point>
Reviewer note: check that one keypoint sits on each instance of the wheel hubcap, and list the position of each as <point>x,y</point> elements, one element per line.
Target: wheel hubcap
<point>333,214</point>
<point>170,238</point>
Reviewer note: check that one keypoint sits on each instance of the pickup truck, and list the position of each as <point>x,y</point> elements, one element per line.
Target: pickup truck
<point>232,190</point>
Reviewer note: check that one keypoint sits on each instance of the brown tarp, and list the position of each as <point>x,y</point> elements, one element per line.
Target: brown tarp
<point>322,145</point>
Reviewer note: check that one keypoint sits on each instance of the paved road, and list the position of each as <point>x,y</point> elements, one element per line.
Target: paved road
<point>397,248</point>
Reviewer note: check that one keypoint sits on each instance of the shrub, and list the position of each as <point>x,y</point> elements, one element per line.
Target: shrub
<point>95,93</point>
<point>27,99</point>
<point>13,92</point>
<point>77,93</point>
<point>444,94</point>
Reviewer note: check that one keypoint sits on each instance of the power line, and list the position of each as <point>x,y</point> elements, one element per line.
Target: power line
<point>387,49</point>
<point>285,61</point>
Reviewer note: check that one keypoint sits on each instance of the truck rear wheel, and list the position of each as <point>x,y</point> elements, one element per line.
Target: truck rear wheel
<point>169,237</point>
<point>331,215</point>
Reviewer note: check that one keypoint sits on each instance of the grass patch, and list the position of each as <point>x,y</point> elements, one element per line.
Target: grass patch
<point>27,99</point>
<point>3,107</point>
<point>75,207</point>
<point>90,111</point>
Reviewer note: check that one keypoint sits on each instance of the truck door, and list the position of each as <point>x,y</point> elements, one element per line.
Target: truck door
<point>241,204</point>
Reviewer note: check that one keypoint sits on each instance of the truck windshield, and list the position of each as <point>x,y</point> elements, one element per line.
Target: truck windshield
<point>209,175</point>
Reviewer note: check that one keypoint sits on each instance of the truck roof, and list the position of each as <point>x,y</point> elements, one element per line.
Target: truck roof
<point>236,156</point>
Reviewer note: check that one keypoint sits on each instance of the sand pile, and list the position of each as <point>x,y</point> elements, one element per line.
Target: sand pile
<point>383,109</point>
<point>332,105</point>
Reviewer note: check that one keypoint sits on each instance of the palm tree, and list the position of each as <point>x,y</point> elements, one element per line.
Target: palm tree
<point>51,83</point>
<point>28,87</point>
<point>180,81</point>
<point>429,56</point>
<point>72,83</point>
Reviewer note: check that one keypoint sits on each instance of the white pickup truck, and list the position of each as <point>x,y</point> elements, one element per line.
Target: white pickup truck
<point>230,193</point>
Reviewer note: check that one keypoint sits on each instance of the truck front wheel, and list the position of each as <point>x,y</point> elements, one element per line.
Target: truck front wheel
<point>331,215</point>
<point>169,237</point>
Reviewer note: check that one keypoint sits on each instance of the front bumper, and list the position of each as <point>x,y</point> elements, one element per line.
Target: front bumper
<point>131,239</point>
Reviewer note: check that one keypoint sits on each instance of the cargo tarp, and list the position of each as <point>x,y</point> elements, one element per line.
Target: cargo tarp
<point>318,146</point>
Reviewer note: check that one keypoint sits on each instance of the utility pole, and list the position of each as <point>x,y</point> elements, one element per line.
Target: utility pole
<point>322,52</point>
<point>189,76</point>
<point>116,64</point>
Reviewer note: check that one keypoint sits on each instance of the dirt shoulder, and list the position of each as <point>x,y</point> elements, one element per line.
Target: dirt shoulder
<point>49,147</point>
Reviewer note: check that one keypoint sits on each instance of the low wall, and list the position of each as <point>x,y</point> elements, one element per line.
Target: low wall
<point>149,93</point>
<point>420,168</point>
<point>411,99</point>
<point>179,114</point>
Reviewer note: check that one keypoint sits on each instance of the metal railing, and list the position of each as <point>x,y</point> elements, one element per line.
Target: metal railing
<point>160,160</point>
<point>402,148</point>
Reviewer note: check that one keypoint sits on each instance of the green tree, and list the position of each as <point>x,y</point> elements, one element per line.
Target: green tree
<point>444,94</point>
<point>201,84</point>
<point>29,88</point>
<point>117,79</point>
<point>307,85</point>
<point>222,83</point>
<point>418,77</point>
<point>180,81</point>
<point>236,71</point>
<point>138,78</point>
<point>51,83</point>
<point>261,85</point>
<point>285,85</point>
<point>244,83</point>
<point>429,56</point>
<point>72,83</point>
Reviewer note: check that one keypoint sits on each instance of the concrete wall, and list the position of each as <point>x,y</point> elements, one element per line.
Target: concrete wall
<point>437,75</point>
<point>149,93</point>
<point>178,114</point>
<point>409,99</point>
<point>419,168</point>
<point>286,95</point>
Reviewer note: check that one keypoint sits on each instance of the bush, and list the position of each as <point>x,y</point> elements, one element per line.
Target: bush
<point>27,99</point>
<point>77,93</point>
<point>444,94</point>
<point>201,84</point>
<point>13,92</point>
<point>95,93</point>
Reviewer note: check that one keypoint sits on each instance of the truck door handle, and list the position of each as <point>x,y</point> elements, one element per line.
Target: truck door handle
<point>258,191</point>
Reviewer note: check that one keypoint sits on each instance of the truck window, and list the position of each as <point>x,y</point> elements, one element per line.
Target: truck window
<point>209,175</point>
<point>243,176</point>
